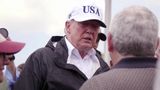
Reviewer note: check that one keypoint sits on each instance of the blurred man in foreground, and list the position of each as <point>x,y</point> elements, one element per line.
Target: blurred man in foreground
<point>132,41</point>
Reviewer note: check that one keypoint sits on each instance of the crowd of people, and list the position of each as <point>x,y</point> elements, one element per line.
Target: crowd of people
<point>72,61</point>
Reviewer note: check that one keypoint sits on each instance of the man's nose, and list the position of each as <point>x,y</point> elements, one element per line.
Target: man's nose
<point>89,30</point>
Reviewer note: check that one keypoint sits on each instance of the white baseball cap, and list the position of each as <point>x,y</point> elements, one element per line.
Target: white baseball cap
<point>85,13</point>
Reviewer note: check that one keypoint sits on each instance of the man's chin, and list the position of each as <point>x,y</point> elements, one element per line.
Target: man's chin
<point>84,46</point>
<point>87,47</point>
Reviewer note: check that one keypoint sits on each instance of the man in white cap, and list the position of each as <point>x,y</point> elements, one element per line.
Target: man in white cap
<point>72,61</point>
<point>7,47</point>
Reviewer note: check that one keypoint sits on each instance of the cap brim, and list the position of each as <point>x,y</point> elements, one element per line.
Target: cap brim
<point>10,47</point>
<point>101,24</point>
<point>87,18</point>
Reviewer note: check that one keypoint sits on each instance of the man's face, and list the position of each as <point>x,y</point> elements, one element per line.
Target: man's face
<point>3,61</point>
<point>82,34</point>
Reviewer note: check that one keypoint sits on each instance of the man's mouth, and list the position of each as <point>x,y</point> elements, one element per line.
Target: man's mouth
<point>88,38</point>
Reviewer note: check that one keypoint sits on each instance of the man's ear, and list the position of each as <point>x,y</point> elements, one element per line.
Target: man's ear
<point>67,27</point>
<point>110,42</point>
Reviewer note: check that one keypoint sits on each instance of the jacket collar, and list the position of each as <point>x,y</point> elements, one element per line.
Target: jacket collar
<point>61,51</point>
<point>137,62</point>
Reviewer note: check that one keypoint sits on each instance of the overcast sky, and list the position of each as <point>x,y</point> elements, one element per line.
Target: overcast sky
<point>35,21</point>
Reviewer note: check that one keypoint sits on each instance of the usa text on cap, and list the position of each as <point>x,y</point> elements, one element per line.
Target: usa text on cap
<point>85,13</point>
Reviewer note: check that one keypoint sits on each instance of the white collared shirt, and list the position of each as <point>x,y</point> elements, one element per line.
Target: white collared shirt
<point>88,65</point>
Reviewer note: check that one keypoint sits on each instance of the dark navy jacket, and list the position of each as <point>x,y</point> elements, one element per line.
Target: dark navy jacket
<point>47,69</point>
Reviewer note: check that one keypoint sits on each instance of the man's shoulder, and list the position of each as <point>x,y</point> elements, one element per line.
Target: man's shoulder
<point>43,51</point>
<point>41,55</point>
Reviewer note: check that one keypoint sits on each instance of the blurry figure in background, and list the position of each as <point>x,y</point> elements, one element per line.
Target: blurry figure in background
<point>11,73</point>
<point>102,37</point>
<point>20,67</point>
<point>132,41</point>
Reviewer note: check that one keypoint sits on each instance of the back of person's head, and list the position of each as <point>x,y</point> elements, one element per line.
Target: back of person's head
<point>135,31</point>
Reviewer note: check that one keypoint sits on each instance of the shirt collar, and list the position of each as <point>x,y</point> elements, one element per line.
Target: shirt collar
<point>137,62</point>
<point>70,46</point>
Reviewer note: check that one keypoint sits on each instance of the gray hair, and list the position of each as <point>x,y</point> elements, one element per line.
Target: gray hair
<point>135,31</point>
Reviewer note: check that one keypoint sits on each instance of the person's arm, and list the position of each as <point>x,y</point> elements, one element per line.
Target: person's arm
<point>31,77</point>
